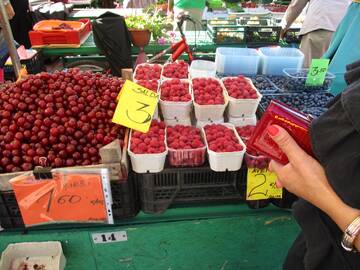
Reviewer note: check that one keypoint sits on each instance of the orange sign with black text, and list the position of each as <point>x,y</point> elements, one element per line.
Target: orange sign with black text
<point>65,198</point>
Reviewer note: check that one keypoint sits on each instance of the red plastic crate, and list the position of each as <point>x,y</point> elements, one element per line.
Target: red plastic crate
<point>39,38</point>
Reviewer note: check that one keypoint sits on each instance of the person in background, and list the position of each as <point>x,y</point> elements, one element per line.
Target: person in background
<point>193,8</point>
<point>21,24</point>
<point>138,3</point>
<point>322,19</point>
<point>344,47</point>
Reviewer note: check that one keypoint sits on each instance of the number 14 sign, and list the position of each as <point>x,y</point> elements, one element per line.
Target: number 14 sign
<point>136,106</point>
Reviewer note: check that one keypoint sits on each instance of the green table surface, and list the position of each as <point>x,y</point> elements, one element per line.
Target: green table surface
<point>203,44</point>
<point>221,237</point>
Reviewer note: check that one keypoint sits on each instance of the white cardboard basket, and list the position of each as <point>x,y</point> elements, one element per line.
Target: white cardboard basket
<point>144,163</point>
<point>243,107</point>
<point>201,124</point>
<point>175,110</point>
<point>243,121</point>
<point>202,69</point>
<point>230,161</point>
<point>173,122</point>
<point>210,112</point>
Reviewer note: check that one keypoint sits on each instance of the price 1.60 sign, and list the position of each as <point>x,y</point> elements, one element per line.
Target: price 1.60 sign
<point>261,185</point>
<point>136,107</point>
<point>64,198</point>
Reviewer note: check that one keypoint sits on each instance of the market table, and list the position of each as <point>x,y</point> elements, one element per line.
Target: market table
<point>205,237</point>
<point>203,41</point>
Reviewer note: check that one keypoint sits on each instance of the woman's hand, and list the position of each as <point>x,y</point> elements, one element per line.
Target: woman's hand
<point>303,175</point>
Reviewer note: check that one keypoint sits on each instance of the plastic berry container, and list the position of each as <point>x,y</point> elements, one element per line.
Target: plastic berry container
<point>187,157</point>
<point>295,81</point>
<point>256,160</point>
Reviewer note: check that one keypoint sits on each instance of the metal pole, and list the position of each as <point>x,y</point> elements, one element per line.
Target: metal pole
<point>9,38</point>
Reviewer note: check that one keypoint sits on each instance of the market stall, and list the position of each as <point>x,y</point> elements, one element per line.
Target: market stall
<point>166,169</point>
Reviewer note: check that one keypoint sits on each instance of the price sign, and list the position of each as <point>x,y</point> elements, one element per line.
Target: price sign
<point>261,184</point>
<point>136,106</point>
<point>317,72</point>
<point>65,198</point>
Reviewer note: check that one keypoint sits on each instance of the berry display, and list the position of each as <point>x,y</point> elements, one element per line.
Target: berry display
<point>297,83</point>
<point>148,72</point>
<point>239,88</point>
<point>176,70</point>
<point>222,139</point>
<point>64,117</point>
<point>152,142</point>
<point>310,103</point>
<point>262,83</point>
<point>149,84</point>
<point>175,90</point>
<point>245,132</point>
<point>256,160</point>
<point>208,91</point>
<point>184,137</point>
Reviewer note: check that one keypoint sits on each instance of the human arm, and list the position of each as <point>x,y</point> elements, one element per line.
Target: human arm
<point>293,11</point>
<point>305,177</point>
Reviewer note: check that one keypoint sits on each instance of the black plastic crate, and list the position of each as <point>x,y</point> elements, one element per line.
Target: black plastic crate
<point>33,65</point>
<point>125,199</point>
<point>226,34</point>
<point>262,35</point>
<point>293,36</point>
<point>125,204</point>
<point>159,191</point>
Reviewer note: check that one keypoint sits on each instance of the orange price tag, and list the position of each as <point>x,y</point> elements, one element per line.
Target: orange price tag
<point>65,198</point>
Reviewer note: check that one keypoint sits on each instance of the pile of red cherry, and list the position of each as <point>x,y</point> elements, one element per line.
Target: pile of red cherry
<point>222,139</point>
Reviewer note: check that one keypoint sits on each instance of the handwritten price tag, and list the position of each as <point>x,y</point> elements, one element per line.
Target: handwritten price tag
<point>136,107</point>
<point>261,185</point>
<point>65,198</point>
<point>317,72</point>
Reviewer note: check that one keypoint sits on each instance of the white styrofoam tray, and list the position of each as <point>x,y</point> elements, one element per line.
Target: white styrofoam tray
<point>173,122</point>
<point>210,112</point>
<point>143,163</point>
<point>230,161</point>
<point>243,107</point>
<point>26,255</point>
<point>175,110</point>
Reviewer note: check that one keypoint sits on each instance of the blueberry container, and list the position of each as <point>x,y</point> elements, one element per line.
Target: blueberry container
<point>295,81</point>
<point>275,59</point>
<point>231,61</point>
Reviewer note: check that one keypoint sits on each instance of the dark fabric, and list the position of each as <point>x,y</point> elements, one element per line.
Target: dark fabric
<point>21,23</point>
<point>336,144</point>
<point>112,37</point>
<point>48,11</point>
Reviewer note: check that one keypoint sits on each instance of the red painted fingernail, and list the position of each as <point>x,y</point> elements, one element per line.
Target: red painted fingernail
<point>273,130</point>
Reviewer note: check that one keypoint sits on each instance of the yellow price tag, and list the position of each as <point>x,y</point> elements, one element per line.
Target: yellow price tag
<point>261,185</point>
<point>136,106</point>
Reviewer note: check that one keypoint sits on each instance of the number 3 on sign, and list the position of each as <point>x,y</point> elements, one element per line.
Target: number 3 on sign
<point>261,185</point>
<point>136,106</point>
